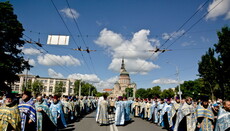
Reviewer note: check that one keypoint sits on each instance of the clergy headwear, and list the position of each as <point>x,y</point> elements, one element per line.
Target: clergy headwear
<point>28,93</point>
<point>205,98</point>
<point>9,95</point>
<point>55,97</point>
<point>168,99</point>
<point>119,97</point>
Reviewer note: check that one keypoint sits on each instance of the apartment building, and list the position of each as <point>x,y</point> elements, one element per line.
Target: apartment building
<point>48,84</point>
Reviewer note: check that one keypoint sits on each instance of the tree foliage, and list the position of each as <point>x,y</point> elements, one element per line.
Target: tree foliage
<point>149,92</point>
<point>87,89</point>
<point>11,60</point>
<point>208,71</point>
<point>167,93</point>
<point>214,68</point>
<point>192,88</point>
<point>59,88</point>
<point>223,50</point>
<point>37,87</point>
<point>128,92</point>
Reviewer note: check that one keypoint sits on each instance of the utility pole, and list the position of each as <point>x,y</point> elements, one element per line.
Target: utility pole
<point>177,73</point>
<point>178,80</point>
<point>79,89</point>
<point>26,77</point>
<point>89,90</point>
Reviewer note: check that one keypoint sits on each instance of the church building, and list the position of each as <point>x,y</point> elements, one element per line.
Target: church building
<point>123,83</point>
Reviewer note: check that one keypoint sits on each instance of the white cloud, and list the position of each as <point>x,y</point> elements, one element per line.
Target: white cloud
<point>51,60</point>
<point>166,81</point>
<point>99,23</point>
<point>189,43</point>
<point>71,13</point>
<point>93,79</point>
<point>107,84</point>
<point>204,39</point>
<point>133,66</point>
<point>228,15</point>
<point>172,35</point>
<point>85,77</point>
<point>32,62</point>
<point>223,9</point>
<point>135,51</point>
<point>31,51</point>
<point>54,74</point>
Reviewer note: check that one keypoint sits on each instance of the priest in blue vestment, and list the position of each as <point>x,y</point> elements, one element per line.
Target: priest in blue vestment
<point>27,112</point>
<point>45,120</point>
<point>160,106</point>
<point>223,119</point>
<point>205,117</point>
<point>127,105</point>
<point>120,112</point>
<point>166,111</point>
<point>57,113</point>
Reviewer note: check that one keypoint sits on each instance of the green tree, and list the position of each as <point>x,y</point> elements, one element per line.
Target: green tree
<point>11,61</point>
<point>76,87</point>
<point>167,93</point>
<point>155,92</point>
<point>128,92</point>
<point>223,50</point>
<point>208,71</point>
<point>58,88</point>
<point>99,94</point>
<point>192,88</point>
<point>27,85</point>
<point>141,93</point>
<point>37,87</point>
<point>86,88</point>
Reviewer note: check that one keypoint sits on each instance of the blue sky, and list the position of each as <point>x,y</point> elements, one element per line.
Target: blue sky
<point>117,29</point>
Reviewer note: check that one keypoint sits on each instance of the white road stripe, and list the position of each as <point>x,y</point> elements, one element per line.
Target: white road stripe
<point>111,127</point>
<point>115,127</point>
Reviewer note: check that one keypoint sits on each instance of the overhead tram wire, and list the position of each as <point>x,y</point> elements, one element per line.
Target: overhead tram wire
<point>184,23</point>
<point>194,24</point>
<point>182,27</point>
<point>70,71</point>
<point>78,28</point>
<point>70,34</point>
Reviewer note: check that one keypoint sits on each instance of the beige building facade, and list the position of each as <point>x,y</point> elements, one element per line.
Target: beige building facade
<point>48,84</point>
<point>123,83</point>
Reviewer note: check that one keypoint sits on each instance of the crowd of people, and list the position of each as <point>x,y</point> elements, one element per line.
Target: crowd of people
<point>171,114</point>
<point>43,113</point>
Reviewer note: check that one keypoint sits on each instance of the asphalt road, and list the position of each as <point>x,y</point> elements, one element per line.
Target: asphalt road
<point>88,123</point>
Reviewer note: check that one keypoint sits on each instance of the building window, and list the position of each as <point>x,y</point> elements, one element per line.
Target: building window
<point>70,90</point>
<point>51,89</point>
<point>16,88</point>
<point>51,81</point>
<point>45,89</point>
<point>64,89</point>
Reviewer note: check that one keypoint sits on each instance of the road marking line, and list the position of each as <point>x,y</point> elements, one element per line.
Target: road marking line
<point>111,127</point>
<point>115,127</point>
